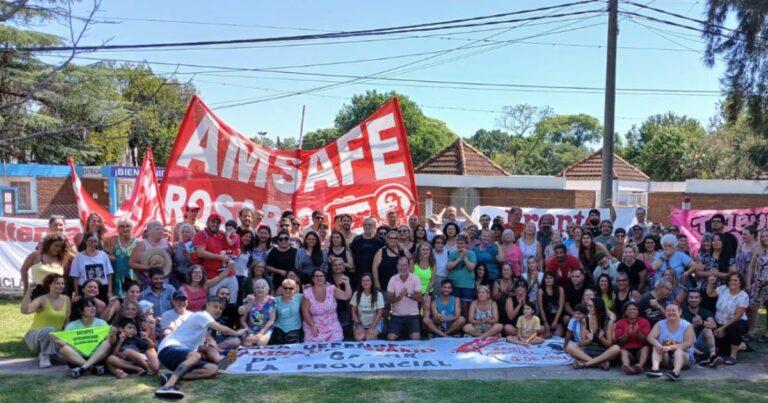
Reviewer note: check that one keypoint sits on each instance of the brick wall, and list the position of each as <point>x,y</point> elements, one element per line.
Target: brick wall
<point>55,195</point>
<point>661,203</point>
<point>547,198</point>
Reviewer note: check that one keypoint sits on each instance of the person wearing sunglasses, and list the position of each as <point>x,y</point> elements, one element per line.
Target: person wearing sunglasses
<point>287,327</point>
<point>653,303</point>
<point>282,257</point>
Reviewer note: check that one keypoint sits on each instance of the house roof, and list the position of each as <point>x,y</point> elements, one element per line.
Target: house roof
<point>591,167</point>
<point>460,158</point>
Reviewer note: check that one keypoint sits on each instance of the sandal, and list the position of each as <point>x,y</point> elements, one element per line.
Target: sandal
<point>638,369</point>
<point>578,364</point>
<point>627,369</point>
<point>605,366</point>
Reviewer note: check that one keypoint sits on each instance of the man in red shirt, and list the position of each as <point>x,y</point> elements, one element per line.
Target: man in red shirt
<point>216,255</point>
<point>562,264</point>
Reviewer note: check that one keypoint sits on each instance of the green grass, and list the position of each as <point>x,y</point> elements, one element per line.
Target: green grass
<point>14,326</point>
<point>329,389</point>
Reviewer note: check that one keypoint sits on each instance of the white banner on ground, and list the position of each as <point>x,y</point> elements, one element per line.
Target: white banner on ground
<point>625,216</point>
<point>18,238</point>
<point>435,354</point>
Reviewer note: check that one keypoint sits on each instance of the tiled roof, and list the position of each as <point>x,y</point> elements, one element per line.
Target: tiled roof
<point>590,168</point>
<point>460,158</point>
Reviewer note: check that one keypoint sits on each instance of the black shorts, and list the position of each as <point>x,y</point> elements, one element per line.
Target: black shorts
<point>411,324</point>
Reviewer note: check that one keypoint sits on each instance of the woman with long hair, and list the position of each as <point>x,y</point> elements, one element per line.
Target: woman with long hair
<point>419,234</point>
<point>407,244</point>
<point>599,349</point>
<point>514,306</point>
<point>648,249</point>
<point>262,243</point>
<point>51,313</point>
<point>604,290</point>
<point>256,272</point>
<point>281,258</point>
<point>197,289</point>
<point>338,249</point>
<point>551,301</point>
<point>182,260</point>
<point>367,310</point>
<point>529,245</point>
<point>758,273</point>
<point>588,248</point>
<point>424,267</point>
<point>384,265</point>
<point>92,263</point>
<point>94,223</point>
<point>311,257</point>
<point>53,257</point>
<point>451,230</point>
<point>119,248</point>
<point>341,281</point>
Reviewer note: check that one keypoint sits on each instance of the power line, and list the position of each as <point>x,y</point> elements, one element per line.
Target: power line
<point>441,25</point>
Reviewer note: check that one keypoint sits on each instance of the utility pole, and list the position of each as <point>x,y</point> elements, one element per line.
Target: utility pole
<point>301,128</point>
<point>606,186</point>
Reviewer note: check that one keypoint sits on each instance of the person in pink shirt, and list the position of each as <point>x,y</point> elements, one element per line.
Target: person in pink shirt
<point>404,294</point>
<point>631,333</point>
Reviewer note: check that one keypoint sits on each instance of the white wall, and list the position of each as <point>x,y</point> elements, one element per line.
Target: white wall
<point>501,182</point>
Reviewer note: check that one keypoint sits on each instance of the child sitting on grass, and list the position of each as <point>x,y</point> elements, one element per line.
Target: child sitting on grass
<point>133,348</point>
<point>528,326</point>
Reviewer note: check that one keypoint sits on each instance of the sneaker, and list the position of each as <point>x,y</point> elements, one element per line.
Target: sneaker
<point>45,361</point>
<point>99,370</point>
<point>76,372</point>
<point>729,361</point>
<point>672,376</point>
<point>169,392</point>
<point>654,373</point>
<point>715,361</point>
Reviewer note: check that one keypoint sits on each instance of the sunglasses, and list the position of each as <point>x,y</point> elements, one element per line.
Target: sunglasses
<point>402,231</point>
<point>282,238</point>
<point>288,288</point>
<point>295,224</point>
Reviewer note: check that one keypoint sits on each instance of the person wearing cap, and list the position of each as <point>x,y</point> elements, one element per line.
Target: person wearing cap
<point>433,227</point>
<point>211,247</point>
<point>172,319</point>
<point>179,351</point>
<point>159,293</point>
<point>637,234</point>
<point>604,265</point>
<point>191,211</point>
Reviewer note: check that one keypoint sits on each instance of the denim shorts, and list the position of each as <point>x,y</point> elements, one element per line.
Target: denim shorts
<point>172,356</point>
<point>464,294</point>
<point>411,323</point>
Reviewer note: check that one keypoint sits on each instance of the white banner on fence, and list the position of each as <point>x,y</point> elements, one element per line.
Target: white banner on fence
<point>434,354</point>
<point>18,238</point>
<point>625,216</point>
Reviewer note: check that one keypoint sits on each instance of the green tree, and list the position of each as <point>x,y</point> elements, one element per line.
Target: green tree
<point>638,137</point>
<point>743,47</point>
<point>319,138</point>
<point>489,142</point>
<point>576,130</point>
<point>426,136</point>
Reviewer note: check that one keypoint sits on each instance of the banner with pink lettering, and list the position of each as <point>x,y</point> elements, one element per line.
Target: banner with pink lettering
<point>694,223</point>
<point>561,217</point>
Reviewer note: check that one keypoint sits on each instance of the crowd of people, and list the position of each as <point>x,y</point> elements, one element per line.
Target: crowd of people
<point>182,298</point>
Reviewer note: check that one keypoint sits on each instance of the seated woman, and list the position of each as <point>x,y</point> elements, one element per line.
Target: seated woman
<point>258,315</point>
<point>90,289</point>
<point>318,309</point>
<point>527,327</point>
<point>514,306</point>
<point>672,342</point>
<point>132,351</point>
<point>367,305</point>
<point>483,315</point>
<point>551,300</point>
<point>730,315</point>
<point>596,346</point>
<point>630,335</point>
<point>82,365</point>
<point>51,312</point>
<point>288,309</point>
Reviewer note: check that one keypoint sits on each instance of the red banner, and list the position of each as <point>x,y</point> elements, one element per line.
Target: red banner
<point>142,207</point>
<point>367,171</point>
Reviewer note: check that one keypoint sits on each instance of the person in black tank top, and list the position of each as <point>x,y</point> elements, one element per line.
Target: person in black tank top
<point>623,285</point>
<point>386,258</point>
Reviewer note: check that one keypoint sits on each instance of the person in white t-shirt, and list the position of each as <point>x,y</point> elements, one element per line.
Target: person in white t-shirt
<point>178,351</point>
<point>92,263</point>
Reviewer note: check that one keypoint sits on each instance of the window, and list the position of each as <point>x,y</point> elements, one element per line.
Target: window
<point>24,194</point>
<point>631,199</point>
<point>124,190</point>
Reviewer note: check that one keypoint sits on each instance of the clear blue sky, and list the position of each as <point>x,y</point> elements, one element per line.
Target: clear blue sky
<point>669,59</point>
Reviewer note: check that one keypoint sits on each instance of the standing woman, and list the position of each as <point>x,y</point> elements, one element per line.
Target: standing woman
<point>510,253</point>
<point>461,266</point>
<point>441,260</point>
<point>529,246</point>
<point>533,277</point>
<point>648,249</point>
<point>557,239</point>
<point>94,223</point>
<point>451,230</point>
<point>744,256</point>
<point>551,301</point>
<point>758,272</point>
<point>281,258</point>
<point>419,234</point>
<point>54,257</point>
<point>338,250</point>
<point>51,313</point>
<point>318,309</point>
<point>487,253</point>
<point>424,267</point>
<point>262,243</point>
<point>384,265</point>
<point>119,249</point>
<point>92,263</point>
<point>367,310</point>
<point>636,270</point>
<point>341,282</point>
<point>406,240</point>
<point>310,257</point>
<point>244,260</point>
<point>730,315</point>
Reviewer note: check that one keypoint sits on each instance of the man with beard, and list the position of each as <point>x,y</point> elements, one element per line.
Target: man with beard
<point>544,235</point>
<point>593,220</point>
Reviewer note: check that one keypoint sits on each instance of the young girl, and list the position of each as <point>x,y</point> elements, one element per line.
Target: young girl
<point>527,327</point>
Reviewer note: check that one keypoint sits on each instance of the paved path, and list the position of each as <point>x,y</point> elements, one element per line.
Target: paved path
<point>743,371</point>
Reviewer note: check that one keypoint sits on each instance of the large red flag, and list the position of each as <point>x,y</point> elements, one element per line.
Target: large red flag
<point>143,206</point>
<point>366,172</point>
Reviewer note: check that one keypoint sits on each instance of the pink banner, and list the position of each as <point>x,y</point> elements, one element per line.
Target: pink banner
<point>694,223</point>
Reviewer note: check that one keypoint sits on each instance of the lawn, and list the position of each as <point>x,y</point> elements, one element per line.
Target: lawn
<point>334,389</point>
<point>14,326</point>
